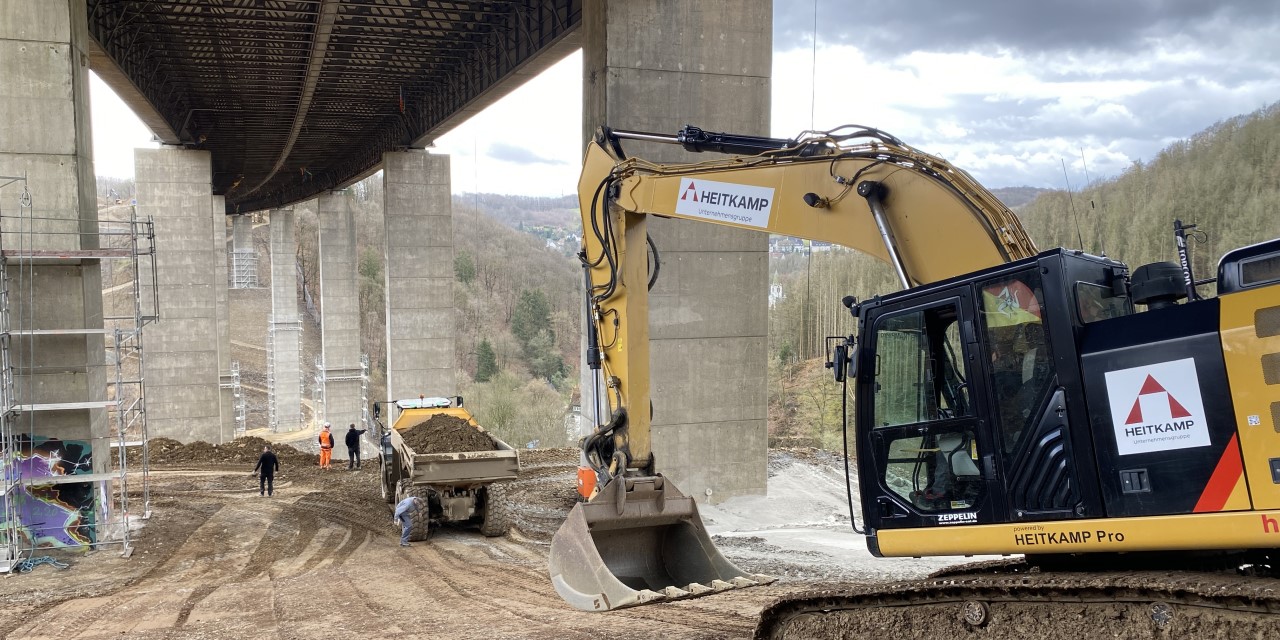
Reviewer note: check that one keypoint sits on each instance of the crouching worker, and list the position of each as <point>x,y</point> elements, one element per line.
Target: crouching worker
<point>409,509</point>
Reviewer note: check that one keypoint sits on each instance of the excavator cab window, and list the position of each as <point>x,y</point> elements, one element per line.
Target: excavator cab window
<point>1021,363</point>
<point>924,411</point>
<point>919,377</point>
<point>1096,302</point>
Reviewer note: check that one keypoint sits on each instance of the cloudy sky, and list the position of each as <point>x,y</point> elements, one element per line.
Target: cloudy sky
<point>1006,89</point>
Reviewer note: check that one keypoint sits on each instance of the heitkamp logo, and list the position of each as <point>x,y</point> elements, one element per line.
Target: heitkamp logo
<point>690,192</point>
<point>1157,407</point>
<point>725,202</point>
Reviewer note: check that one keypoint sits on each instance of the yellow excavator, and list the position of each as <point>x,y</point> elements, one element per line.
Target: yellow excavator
<point>1007,400</point>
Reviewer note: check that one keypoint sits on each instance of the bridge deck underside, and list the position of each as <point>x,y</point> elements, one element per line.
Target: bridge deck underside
<point>295,97</point>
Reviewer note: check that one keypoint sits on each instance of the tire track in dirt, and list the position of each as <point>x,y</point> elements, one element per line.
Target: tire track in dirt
<point>199,593</point>
<point>330,541</point>
<point>115,596</point>
<point>274,545</point>
<point>472,591</point>
<point>684,616</point>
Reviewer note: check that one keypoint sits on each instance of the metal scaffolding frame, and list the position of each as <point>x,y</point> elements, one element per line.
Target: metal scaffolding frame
<point>273,408</point>
<point>130,240</point>
<point>319,407</point>
<point>320,389</point>
<point>244,269</point>
<point>238,399</point>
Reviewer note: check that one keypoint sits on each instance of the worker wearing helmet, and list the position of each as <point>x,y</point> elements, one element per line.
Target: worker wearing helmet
<point>326,446</point>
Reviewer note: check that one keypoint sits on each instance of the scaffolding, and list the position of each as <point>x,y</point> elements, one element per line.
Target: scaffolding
<point>320,389</point>
<point>43,470</point>
<point>319,408</point>
<point>244,269</point>
<point>274,411</point>
<point>238,399</point>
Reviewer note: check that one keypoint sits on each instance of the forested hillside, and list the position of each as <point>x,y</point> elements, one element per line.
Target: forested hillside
<point>518,318</point>
<point>1226,179</point>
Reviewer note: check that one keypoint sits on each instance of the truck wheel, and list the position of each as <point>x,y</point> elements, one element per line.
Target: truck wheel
<point>386,482</point>
<point>497,511</point>
<point>421,522</point>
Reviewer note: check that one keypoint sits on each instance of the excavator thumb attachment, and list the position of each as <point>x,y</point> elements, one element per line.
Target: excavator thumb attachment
<point>638,541</point>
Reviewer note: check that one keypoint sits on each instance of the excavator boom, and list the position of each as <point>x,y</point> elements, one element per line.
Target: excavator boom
<point>637,539</point>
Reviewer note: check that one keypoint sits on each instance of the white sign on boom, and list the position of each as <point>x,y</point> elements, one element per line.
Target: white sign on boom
<point>725,202</point>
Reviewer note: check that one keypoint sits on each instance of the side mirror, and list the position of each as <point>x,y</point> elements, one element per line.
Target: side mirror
<point>840,361</point>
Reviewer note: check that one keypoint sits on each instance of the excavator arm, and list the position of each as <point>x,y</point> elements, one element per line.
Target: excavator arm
<point>637,539</point>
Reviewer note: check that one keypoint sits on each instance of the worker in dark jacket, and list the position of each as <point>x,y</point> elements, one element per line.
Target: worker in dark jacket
<point>269,464</point>
<point>353,446</point>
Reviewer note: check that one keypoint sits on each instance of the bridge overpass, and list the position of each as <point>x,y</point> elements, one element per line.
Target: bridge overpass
<point>263,104</point>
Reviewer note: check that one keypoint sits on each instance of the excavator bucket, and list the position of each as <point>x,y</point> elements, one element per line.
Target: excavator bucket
<point>639,541</point>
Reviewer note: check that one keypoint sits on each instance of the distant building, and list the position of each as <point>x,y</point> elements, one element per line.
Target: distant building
<point>776,294</point>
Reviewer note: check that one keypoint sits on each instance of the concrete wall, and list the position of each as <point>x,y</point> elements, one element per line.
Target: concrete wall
<point>418,214</point>
<point>286,348</point>
<point>339,309</point>
<point>182,349</point>
<point>656,65</point>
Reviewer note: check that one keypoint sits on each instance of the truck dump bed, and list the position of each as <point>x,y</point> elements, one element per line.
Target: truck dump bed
<point>466,467</point>
<point>449,468</point>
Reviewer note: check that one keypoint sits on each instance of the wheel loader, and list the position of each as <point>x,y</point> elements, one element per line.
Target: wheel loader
<point>1053,405</point>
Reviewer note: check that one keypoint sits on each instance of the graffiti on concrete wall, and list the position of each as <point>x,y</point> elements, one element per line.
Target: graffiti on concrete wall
<point>54,514</point>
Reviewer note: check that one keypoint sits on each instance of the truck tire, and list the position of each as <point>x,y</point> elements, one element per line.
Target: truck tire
<point>497,511</point>
<point>420,516</point>
<point>387,481</point>
<point>420,525</point>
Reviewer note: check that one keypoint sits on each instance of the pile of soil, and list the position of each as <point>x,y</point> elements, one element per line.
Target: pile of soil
<point>557,456</point>
<point>167,451</point>
<point>443,433</point>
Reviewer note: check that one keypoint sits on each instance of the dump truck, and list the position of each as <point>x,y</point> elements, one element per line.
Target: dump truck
<point>458,486</point>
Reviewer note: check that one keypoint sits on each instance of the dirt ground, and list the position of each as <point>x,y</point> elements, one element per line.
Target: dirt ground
<point>321,560</point>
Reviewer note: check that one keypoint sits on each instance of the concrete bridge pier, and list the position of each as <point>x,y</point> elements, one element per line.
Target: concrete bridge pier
<point>284,331</point>
<point>656,65</point>
<point>339,310</point>
<point>222,297</point>
<point>418,213</point>
<point>45,136</point>
<point>182,349</point>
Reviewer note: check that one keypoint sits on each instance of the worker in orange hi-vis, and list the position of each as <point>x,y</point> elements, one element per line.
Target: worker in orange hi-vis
<point>326,446</point>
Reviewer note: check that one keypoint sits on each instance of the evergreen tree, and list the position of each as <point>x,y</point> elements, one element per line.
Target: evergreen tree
<point>486,362</point>
<point>532,316</point>
<point>464,268</point>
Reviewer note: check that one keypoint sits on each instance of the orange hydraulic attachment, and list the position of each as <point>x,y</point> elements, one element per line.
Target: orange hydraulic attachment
<point>586,482</point>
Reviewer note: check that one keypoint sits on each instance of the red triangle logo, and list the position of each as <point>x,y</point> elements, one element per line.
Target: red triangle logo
<point>1151,386</point>
<point>1177,410</point>
<point>692,187</point>
<point>1135,414</point>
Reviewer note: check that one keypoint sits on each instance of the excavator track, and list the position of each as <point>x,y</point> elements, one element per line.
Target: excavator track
<point>1009,599</point>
